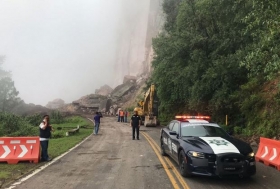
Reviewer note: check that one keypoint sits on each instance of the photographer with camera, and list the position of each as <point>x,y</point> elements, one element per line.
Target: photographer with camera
<point>45,134</point>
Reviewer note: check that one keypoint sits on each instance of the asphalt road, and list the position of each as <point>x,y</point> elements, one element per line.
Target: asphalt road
<point>112,160</point>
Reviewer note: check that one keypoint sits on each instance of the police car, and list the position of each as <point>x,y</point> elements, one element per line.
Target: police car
<point>204,148</point>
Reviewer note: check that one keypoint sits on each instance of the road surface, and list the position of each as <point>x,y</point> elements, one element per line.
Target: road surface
<point>112,160</point>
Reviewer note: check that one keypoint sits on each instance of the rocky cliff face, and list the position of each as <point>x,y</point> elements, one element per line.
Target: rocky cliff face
<point>141,22</point>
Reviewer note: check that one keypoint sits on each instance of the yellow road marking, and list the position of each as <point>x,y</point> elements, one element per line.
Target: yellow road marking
<point>171,178</point>
<point>178,175</point>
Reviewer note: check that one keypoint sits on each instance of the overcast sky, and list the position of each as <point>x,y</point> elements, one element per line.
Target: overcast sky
<point>60,48</point>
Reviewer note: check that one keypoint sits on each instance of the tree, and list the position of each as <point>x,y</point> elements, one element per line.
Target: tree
<point>221,58</point>
<point>196,67</point>
<point>8,92</point>
<point>3,73</point>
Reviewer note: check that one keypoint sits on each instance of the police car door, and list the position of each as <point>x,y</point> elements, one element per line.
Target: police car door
<point>167,139</point>
<point>174,141</point>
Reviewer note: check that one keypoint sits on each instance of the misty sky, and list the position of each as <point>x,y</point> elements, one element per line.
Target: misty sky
<point>61,48</point>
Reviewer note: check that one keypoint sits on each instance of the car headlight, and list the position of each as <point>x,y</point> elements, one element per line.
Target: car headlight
<point>196,154</point>
<point>252,154</point>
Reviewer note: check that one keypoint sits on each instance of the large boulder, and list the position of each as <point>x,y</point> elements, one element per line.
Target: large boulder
<point>129,78</point>
<point>55,104</point>
<point>105,90</point>
<point>105,105</point>
<point>89,103</point>
<point>120,92</point>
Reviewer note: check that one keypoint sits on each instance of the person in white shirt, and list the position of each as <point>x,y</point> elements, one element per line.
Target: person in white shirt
<point>45,134</point>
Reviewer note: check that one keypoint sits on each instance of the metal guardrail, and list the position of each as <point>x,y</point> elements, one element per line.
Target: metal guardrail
<point>72,131</point>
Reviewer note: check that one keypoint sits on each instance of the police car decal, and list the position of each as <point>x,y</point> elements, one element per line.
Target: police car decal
<point>220,145</point>
<point>174,147</point>
<point>164,140</point>
<point>169,144</point>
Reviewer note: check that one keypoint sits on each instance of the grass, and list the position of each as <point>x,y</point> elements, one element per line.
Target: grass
<point>4,174</point>
<point>61,145</point>
<point>57,146</point>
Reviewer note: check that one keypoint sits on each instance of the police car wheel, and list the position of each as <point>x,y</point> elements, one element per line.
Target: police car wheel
<point>183,165</point>
<point>162,149</point>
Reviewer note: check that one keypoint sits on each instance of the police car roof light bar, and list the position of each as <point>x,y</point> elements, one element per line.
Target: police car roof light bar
<point>191,117</point>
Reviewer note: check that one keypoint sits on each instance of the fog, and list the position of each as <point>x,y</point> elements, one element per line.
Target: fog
<point>66,48</point>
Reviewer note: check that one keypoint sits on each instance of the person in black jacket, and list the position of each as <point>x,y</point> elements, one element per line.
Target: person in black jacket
<point>135,124</point>
<point>45,134</point>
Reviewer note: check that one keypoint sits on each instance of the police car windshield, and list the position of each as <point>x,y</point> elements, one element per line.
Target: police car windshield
<point>200,130</point>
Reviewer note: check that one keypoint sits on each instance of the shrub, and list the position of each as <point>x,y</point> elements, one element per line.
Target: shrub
<point>237,130</point>
<point>247,132</point>
<point>10,123</point>
<point>229,129</point>
<point>34,120</point>
<point>27,130</point>
<point>58,134</point>
<point>56,117</point>
<point>73,120</point>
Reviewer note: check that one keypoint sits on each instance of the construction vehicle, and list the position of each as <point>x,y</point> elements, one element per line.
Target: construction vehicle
<point>148,108</point>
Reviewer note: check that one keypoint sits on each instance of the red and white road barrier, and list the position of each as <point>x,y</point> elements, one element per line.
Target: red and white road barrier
<point>269,152</point>
<point>15,149</point>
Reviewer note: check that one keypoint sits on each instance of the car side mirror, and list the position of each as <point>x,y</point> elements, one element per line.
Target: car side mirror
<point>172,132</point>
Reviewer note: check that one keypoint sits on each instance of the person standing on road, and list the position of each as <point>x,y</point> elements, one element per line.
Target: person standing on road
<point>97,122</point>
<point>125,116</point>
<point>119,118</point>
<point>135,124</point>
<point>122,115</point>
<point>128,114</point>
<point>45,134</point>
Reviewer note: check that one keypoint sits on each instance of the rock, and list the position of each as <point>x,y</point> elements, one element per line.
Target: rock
<point>55,104</point>
<point>87,104</point>
<point>120,91</point>
<point>129,78</point>
<point>105,90</point>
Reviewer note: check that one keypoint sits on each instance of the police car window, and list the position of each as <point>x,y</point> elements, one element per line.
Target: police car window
<point>203,131</point>
<point>176,128</point>
<point>170,126</point>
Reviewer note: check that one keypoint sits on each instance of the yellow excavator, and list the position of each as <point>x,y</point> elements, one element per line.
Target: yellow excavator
<point>148,108</point>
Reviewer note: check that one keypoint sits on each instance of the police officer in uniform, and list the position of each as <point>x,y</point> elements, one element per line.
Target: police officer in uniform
<point>135,124</point>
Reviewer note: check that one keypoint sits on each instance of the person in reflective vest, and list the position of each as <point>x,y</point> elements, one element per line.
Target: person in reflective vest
<point>122,115</point>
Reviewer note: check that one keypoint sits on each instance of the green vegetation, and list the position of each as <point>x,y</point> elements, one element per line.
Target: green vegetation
<point>13,125</point>
<point>8,92</point>
<point>220,58</point>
